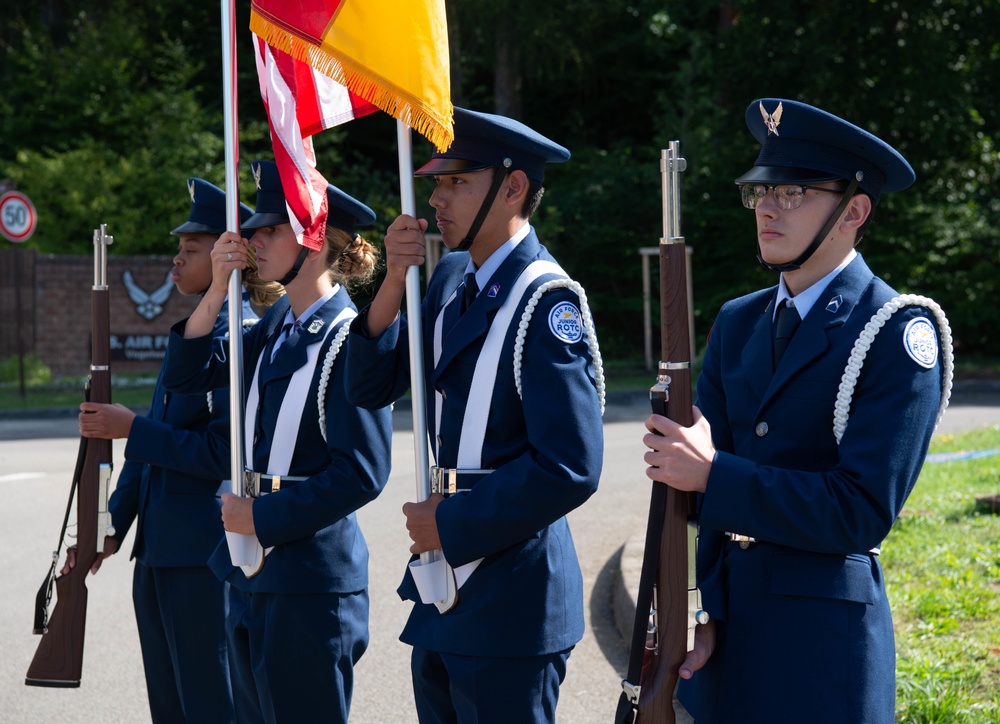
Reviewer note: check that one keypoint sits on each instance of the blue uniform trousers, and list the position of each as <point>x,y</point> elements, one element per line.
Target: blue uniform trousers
<point>181,612</point>
<point>293,655</point>
<point>453,689</point>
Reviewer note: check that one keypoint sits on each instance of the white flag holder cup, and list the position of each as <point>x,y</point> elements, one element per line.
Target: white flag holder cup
<point>435,579</point>
<point>245,552</point>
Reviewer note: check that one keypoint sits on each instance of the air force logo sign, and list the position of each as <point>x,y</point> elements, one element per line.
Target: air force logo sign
<point>149,305</point>
<point>566,322</point>
<point>920,342</point>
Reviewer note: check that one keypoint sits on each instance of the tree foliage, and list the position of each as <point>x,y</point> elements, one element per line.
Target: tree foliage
<point>104,111</point>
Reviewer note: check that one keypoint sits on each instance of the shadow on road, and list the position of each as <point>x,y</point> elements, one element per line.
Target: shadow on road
<point>602,616</point>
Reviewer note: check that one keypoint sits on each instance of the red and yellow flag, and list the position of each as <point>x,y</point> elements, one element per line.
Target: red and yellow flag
<point>391,53</point>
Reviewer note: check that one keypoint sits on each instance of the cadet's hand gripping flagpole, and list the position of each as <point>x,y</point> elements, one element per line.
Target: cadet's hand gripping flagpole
<point>245,550</point>
<point>414,325</point>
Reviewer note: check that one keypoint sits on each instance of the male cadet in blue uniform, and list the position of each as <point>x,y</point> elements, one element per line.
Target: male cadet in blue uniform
<point>522,458</point>
<point>791,517</point>
<point>175,458</point>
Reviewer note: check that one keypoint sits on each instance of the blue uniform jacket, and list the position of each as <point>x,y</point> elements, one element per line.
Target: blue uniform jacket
<point>805,632</point>
<point>318,546</point>
<point>526,598</point>
<point>175,458</point>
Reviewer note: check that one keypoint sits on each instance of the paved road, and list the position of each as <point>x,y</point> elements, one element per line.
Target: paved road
<point>36,459</point>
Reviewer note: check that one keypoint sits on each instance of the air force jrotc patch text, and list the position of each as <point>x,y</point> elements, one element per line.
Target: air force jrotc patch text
<point>566,322</point>
<point>920,342</point>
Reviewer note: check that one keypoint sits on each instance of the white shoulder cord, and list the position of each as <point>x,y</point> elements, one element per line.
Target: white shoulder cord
<point>846,391</point>
<point>324,378</point>
<point>597,369</point>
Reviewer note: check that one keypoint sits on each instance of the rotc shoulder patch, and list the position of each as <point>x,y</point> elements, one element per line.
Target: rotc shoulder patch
<point>566,322</point>
<point>920,342</point>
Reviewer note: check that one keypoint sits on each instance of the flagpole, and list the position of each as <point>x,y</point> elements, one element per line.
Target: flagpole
<point>235,299</point>
<point>413,319</point>
<point>244,550</point>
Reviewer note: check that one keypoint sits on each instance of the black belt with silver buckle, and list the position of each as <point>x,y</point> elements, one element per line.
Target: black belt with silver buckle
<point>258,484</point>
<point>448,481</point>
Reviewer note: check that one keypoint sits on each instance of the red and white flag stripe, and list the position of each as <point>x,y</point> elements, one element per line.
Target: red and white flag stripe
<point>300,101</point>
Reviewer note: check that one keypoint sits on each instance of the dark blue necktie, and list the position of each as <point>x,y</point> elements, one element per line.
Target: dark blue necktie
<point>471,290</point>
<point>288,330</point>
<point>785,324</point>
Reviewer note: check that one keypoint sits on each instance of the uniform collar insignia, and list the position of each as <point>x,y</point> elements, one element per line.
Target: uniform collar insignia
<point>494,290</point>
<point>317,324</point>
<point>256,176</point>
<point>834,304</point>
<point>772,120</point>
<point>191,189</point>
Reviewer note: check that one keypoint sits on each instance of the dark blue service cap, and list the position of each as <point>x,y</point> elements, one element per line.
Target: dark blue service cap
<point>208,209</point>
<point>801,144</point>
<point>270,207</point>
<point>484,140</point>
<point>344,212</point>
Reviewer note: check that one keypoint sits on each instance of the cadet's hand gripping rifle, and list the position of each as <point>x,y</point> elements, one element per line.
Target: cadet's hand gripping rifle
<point>668,604</point>
<point>59,658</point>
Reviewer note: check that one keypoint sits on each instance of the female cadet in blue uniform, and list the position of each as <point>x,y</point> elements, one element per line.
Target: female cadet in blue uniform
<point>296,628</point>
<point>795,503</point>
<point>175,458</point>
<point>500,654</point>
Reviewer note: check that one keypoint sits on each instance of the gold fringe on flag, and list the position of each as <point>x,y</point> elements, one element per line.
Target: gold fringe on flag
<point>361,81</point>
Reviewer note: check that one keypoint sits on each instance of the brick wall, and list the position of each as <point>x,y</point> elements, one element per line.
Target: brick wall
<point>60,316</point>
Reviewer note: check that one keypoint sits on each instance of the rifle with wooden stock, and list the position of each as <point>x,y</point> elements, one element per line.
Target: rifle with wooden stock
<point>668,603</point>
<point>58,660</point>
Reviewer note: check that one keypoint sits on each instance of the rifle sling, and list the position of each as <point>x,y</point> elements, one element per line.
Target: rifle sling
<point>44,595</point>
<point>627,709</point>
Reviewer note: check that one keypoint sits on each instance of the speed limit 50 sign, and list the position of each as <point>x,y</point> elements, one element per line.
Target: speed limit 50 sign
<point>17,216</point>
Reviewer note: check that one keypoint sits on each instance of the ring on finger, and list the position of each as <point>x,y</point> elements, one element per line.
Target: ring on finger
<point>229,256</point>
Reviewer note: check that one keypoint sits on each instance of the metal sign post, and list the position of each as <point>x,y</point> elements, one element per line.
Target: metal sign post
<point>17,223</point>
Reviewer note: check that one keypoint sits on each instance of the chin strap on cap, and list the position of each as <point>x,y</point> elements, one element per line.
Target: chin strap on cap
<point>498,178</point>
<point>294,271</point>
<point>818,239</point>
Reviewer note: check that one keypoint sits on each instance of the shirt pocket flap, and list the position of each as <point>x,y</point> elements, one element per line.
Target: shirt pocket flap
<point>818,575</point>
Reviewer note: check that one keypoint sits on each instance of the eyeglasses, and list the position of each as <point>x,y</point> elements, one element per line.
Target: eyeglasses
<point>786,197</point>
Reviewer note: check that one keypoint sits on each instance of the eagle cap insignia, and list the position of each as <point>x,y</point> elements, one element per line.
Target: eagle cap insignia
<point>772,120</point>
<point>191,189</point>
<point>256,175</point>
